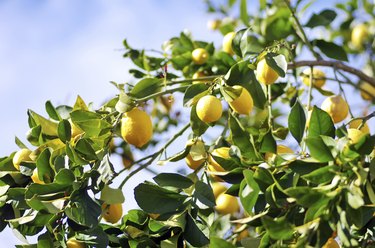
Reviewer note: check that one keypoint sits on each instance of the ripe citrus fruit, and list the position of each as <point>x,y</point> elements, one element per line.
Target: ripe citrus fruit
<point>359,35</point>
<point>356,123</point>
<point>209,109</point>
<point>213,24</point>
<point>331,243</point>
<point>194,164</point>
<point>336,107</point>
<point>112,213</point>
<point>36,178</point>
<point>227,43</point>
<point>265,74</point>
<point>22,155</point>
<point>227,204</point>
<point>218,188</point>
<point>222,152</point>
<point>136,127</point>
<point>355,135</point>
<point>199,56</point>
<point>242,104</point>
<point>367,91</point>
<point>199,74</point>
<point>319,77</point>
<point>280,149</point>
<point>73,243</point>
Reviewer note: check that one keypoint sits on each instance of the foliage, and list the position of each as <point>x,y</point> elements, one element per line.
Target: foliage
<point>301,199</point>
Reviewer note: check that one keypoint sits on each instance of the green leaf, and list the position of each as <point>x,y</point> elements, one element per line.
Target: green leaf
<point>94,237</point>
<point>244,43</point>
<point>204,194</point>
<point>324,18</point>
<point>173,180</point>
<point>193,93</point>
<point>80,104</point>
<point>45,172</point>
<point>45,241</point>
<point>197,125</point>
<point>321,124</point>
<point>318,149</point>
<point>85,149</point>
<point>243,12</point>
<point>91,123</point>
<point>216,242</point>
<point>297,121</point>
<point>278,25</point>
<point>193,234</point>
<point>331,50</point>
<point>154,199</point>
<point>112,196</point>
<point>48,127</point>
<point>268,143</point>
<point>64,130</point>
<point>52,112</point>
<point>263,178</point>
<point>241,74</point>
<point>322,175</point>
<point>242,140</point>
<point>305,195</point>
<point>279,228</point>
<point>83,209</point>
<point>272,63</point>
<point>146,87</point>
<point>249,191</point>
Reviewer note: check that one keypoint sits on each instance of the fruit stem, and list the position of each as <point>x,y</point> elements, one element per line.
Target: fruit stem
<point>301,31</point>
<point>269,96</point>
<point>153,156</point>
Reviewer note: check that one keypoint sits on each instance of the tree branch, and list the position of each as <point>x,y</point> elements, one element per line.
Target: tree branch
<point>334,64</point>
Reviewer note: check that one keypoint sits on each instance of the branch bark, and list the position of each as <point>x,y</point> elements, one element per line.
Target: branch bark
<point>334,64</point>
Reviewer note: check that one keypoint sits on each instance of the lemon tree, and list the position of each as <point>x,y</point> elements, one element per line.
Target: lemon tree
<point>270,141</point>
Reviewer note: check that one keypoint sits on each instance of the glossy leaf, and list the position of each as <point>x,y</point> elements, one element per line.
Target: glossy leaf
<point>204,194</point>
<point>173,180</point>
<point>64,131</point>
<point>318,149</point>
<point>193,234</point>
<point>146,87</point>
<point>320,124</point>
<point>324,18</point>
<point>331,50</point>
<point>297,121</point>
<point>249,191</point>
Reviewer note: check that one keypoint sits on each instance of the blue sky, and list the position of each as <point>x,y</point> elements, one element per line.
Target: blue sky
<point>54,50</point>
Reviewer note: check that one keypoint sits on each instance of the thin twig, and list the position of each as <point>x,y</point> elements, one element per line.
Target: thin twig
<point>155,155</point>
<point>334,64</point>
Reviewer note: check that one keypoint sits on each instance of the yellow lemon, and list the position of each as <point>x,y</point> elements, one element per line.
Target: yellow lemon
<point>222,152</point>
<point>209,109</point>
<point>213,24</point>
<point>331,243</point>
<point>242,104</point>
<point>367,91</point>
<point>227,204</point>
<point>280,149</point>
<point>227,43</point>
<point>356,123</point>
<point>265,74</point>
<point>199,56</point>
<point>22,155</point>
<point>112,213</point>
<point>319,77</point>
<point>197,75</point>
<point>355,135</point>
<point>336,107</point>
<point>73,243</point>
<point>36,178</point>
<point>136,127</point>
<point>359,35</point>
<point>218,188</point>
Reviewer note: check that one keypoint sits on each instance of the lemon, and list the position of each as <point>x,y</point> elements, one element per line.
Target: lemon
<point>367,91</point>
<point>218,188</point>
<point>136,127</point>
<point>209,109</point>
<point>73,243</point>
<point>355,135</point>
<point>22,155</point>
<point>199,56</point>
<point>213,24</point>
<point>194,164</point>
<point>242,104</point>
<point>280,149</point>
<point>222,152</point>
<point>336,107</point>
<point>331,243</point>
<point>356,123</point>
<point>227,204</point>
<point>359,35</point>
<point>36,178</point>
<point>112,213</point>
<point>319,77</point>
<point>265,74</point>
<point>227,43</point>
